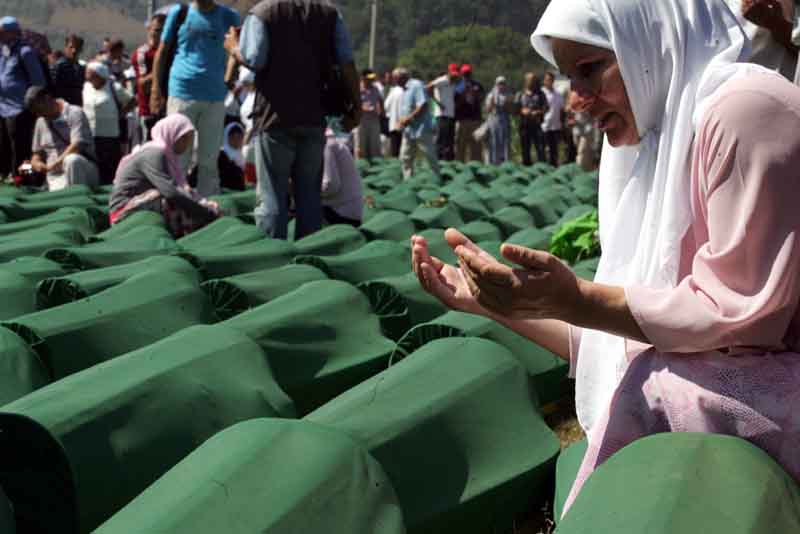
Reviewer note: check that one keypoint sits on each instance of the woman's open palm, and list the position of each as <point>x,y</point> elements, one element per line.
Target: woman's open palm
<point>446,282</point>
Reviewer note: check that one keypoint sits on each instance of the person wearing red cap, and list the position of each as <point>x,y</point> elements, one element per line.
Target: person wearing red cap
<point>443,91</point>
<point>469,96</point>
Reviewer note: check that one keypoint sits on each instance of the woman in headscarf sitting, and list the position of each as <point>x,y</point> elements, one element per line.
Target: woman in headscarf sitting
<point>152,179</point>
<point>692,323</point>
<point>231,162</point>
<point>106,104</point>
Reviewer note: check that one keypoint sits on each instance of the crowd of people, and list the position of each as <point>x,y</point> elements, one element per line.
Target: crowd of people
<point>463,121</point>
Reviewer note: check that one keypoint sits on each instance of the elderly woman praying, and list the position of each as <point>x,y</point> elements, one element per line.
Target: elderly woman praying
<point>692,323</point>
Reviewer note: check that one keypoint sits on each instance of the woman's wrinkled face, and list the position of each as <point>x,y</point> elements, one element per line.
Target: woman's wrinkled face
<point>184,143</point>
<point>97,81</point>
<point>597,81</point>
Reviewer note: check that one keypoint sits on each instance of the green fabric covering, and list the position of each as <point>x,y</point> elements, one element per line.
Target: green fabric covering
<point>681,482</point>
<point>18,279</point>
<point>548,372</point>
<point>321,340</point>
<point>236,294</point>
<point>422,307</point>
<point>436,217</point>
<point>220,261</point>
<point>331,240</point>
<point>18,211</point>
<point>225,231</point>
<point>391,225</point>
<point>77,451</point>
<point>33,246</point>
<point>390,306</point>
<point>71,191</point>
<point>493,201</point>
<point>401,198</point>
<point>481,231</point>
<point>138,244</point>
<point>545,206</point>
<point>21,370</point>
<point>67,231</point>
<point>61,290</point>
<point>132,222</point>
<point>245,472</point>
<point>430,195</point>
<point>512,220</point>
<point>470,206</point>
<point>375,260</point>
<point>455,427</point>
<point>531,238</point>
<point>146,308</point>
<point>79,218</point>
<point>569,463</point>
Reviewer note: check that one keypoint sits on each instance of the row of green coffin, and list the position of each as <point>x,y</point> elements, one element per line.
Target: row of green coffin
<point>679,482</point>
<point>449,439</point>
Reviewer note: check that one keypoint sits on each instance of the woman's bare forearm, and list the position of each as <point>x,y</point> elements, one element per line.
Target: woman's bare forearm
<point>551,334</point>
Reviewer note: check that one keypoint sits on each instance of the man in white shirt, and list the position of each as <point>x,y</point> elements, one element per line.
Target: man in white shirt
<point>443,90</point>
<point>768,24</point>
<point>551,125</point>
<point>393,106</point>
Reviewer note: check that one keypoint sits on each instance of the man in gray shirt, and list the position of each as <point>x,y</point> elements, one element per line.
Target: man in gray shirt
<point>63,147</point>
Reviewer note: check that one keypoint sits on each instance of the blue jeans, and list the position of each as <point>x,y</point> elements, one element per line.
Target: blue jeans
<point>283,153</point>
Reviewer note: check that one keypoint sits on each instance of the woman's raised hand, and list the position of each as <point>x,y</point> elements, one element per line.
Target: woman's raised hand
<point>541,288</point>
<point>446,282</point>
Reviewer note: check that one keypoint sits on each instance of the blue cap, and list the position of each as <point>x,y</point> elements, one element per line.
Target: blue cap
<point>9,24</point>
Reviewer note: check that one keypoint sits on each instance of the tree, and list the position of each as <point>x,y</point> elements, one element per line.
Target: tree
<point>491,51</point>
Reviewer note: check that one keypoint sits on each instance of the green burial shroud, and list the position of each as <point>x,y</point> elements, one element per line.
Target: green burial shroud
<point>512,219</point>
<point>422,306</point>
<point>236,294</point>
<point>145,309</point>
<point>225,231</point>
<point>221,261</point>
<point>389,225</point>
<point>19,211</point>
<point>138,244</point>
<point>77,451</point>
<point>321,340</point>
<point>330,241</point>
<point>54,292</point>
<point>547,371</point>
<point>21,369</point>
<point>18,279</point>
<point>681,482</point>
<point>269,476</point>
<point>457,429</point>
<point>81,219</point>
<point>34,245</point>
<point>567,467</point>
<point>132,222</point>
<point>375,260</point>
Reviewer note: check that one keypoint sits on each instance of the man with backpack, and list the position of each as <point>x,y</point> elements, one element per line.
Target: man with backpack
<point>295,49</point>
<point>20,69</point>
<point>193,39</point>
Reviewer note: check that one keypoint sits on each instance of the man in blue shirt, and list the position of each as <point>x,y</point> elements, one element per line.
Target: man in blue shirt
<point>417,124</point>
<point>197,80</point>
<point>292,47</point>
<point>20,69</point>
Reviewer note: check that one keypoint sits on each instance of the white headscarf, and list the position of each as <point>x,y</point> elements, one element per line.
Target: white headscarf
<point>236,155</point>
<point>99,68</point>
<point>673,56</point>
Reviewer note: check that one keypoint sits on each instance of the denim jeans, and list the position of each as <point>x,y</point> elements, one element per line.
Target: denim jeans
<point>283,153</point>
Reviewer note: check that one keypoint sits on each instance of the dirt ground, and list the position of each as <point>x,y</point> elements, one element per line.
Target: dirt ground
<point>562,420</point>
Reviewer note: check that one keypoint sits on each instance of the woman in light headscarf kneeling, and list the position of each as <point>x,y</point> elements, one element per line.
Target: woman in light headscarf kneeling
<point>692,323</point>
<point>152,179</point>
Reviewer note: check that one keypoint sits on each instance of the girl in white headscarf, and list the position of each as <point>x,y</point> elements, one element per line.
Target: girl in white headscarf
<point>692,322</point>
